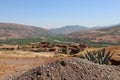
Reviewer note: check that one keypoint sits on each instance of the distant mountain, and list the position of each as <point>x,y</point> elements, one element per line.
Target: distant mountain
<point>99,27</point>
<point>10,30</point>
<point>110,34</point>
<point>68,29</point>
<point>15,31</point>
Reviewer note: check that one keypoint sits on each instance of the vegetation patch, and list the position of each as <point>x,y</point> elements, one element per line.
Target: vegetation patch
<point>99,56</point>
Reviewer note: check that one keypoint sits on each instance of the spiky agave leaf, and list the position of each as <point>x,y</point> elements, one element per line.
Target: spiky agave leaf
<point>100,56</point>
<point>103,55</point>
<point>91,56</point>
<point>88,58</point>
<point>108,57</point>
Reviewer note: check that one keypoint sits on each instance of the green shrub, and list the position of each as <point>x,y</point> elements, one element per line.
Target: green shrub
<point>64,50</point>
<point>101,56</point>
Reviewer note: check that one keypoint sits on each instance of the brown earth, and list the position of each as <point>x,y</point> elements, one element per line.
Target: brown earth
<point>13,31</point>
<point>116,50</point>
<point>16,62</point>
<point>71,69</point>
<point>108,35</point>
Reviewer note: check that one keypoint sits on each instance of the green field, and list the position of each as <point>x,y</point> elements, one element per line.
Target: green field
<point>61,39</point>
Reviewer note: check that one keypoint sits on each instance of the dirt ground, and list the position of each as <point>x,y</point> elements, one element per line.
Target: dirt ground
<point>18,61</point>
<point>71,69</point>
<point>12,62</point>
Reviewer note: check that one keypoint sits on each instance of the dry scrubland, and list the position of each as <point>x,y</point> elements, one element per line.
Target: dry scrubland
<point>18,61</point>
<point>71,69</point>
<point>114,49</point>
<point>13,63</point>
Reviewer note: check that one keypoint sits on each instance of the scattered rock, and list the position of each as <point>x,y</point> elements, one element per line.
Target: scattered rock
<point>72,69</point>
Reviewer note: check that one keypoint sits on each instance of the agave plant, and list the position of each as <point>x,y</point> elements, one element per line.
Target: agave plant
<point>101,56</point>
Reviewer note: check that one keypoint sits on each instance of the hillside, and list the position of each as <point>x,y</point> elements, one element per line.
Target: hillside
<point>10,30</point>
<point>72,69</point>
<point>109,35</point>
<point>68,29</point>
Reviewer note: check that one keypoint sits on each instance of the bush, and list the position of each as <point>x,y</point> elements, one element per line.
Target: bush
<point>64,50</point>
<point>100,56</point>
<point>74,51</point>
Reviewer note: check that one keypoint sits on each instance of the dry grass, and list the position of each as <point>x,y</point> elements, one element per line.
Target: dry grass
<point>12,62</point>
<point>20,53</point>
<point>19,61</point>
<point>115,49</point>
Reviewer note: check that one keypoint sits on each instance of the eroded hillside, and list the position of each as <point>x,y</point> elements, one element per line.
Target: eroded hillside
<point>13,31</point>
<point>109,35</point>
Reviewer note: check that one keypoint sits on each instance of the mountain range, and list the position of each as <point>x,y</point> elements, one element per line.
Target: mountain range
<point>68,29</point>
<point>109,35</point>
<point>95,34</point>
<point>74,28</point>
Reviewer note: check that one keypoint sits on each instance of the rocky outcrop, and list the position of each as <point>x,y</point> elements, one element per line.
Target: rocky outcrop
<point>72,69</point>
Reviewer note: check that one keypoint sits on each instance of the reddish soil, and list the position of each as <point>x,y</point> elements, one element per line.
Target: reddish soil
<point>12,65</point>
<point>71,69</point>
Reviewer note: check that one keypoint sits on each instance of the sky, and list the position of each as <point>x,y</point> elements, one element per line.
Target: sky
<point>58,13</point>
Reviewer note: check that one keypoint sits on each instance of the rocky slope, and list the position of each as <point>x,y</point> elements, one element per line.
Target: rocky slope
<point>71,69</point>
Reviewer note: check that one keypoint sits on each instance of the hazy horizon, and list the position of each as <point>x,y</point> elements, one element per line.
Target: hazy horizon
<point>55,14</point>
<point>60,26</point>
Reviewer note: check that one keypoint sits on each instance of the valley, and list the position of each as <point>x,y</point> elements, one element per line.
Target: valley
<point>24,48</point>
<point>60,40</point>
